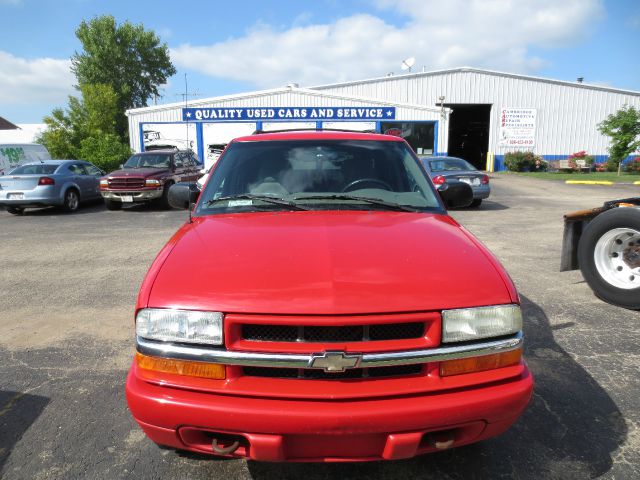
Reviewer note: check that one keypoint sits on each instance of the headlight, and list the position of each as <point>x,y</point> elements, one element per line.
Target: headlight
<point>104,183</point>
<point>180,326</point>
<point>152,182</point>
<point>482,322</point>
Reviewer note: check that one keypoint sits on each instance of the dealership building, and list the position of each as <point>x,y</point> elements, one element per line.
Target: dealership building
<point>471,113</point>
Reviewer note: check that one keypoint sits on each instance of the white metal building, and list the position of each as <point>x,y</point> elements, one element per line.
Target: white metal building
<point>464,112</point>
<point>207,125</point>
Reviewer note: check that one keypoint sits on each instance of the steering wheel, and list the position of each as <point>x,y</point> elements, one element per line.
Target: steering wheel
<point>372,181</point>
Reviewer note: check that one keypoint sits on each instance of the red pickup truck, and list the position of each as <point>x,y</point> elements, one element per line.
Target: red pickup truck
<point>322,305</point>
<point>146,177</point>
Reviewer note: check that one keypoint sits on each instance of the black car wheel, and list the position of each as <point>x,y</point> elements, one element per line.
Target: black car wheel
<point>163,201</point>
<point>71,200</point>
<point>476,203</point>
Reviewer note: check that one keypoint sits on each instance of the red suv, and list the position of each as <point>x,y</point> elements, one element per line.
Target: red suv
<point>147,176</point>
<point>323,306</point>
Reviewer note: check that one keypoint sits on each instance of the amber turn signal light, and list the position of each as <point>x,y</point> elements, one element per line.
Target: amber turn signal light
<point>181,367</point>
<point>479,364</point>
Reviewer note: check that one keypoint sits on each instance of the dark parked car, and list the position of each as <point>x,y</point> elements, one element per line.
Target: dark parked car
<point>60,183</point>
<point>147,176</point>
<point>453,169</point>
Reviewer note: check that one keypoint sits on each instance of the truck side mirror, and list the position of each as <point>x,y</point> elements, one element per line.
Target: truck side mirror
<point>182,194</point>
<point>456,195</point>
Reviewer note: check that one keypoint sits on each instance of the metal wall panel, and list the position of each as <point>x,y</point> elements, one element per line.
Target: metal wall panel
<point>567,113</point>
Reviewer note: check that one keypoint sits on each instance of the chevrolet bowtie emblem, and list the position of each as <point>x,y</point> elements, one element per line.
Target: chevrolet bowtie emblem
<point>334,361</point>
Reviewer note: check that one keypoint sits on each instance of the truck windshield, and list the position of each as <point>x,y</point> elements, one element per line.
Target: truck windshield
<point>149,161</point>
<point>317,174</point>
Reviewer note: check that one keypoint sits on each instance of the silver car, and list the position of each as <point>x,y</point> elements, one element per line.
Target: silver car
<point>60,183</point>
<point>453,169</point>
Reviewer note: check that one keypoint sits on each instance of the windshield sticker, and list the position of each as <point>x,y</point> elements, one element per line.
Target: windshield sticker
<point>240,203</point>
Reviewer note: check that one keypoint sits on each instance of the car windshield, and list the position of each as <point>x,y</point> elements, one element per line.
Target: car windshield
<point>450,165</point>
<point>315,175</point>
<point>35,169</point>
<point>159,160</point>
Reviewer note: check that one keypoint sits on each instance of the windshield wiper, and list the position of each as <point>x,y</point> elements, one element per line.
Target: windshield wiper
<point>371,201</point>
<point>262,198</point>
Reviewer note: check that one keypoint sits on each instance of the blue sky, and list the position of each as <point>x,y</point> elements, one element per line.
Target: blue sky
<point>230,47</point>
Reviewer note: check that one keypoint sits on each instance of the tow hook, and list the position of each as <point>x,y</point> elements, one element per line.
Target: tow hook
<point>224,450</point>
<point>441,440</point>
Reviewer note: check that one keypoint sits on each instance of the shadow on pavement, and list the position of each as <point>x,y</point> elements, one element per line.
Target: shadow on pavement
<point>570,429</point>
<point>86,207</point>
<point>485,205</point>
<point>17,412</point>
<point>145,207</point>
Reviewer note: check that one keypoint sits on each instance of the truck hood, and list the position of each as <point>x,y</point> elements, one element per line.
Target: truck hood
<point>327,263</point>
<point>138,172</point>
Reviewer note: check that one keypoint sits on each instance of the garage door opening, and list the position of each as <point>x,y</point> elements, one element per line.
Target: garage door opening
<point>469,132</point>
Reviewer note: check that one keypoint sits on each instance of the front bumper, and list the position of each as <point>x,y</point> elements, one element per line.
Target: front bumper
<point>311,430</point>
<point>136,196</point>
<point>384,359</point>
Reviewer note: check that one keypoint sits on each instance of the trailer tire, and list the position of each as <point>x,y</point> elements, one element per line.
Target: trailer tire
<point>609,256</point>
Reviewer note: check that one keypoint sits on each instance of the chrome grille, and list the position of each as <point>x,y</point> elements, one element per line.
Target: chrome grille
<point>126,183</point>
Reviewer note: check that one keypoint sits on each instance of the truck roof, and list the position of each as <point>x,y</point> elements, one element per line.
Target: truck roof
<point>318,134</point>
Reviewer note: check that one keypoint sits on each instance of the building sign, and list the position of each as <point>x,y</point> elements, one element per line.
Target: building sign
<point>517,127</point>
<point>252,114</point>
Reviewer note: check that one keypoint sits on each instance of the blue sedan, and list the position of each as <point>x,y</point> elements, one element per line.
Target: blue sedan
<point>453,169</point>
<point>60,183</point>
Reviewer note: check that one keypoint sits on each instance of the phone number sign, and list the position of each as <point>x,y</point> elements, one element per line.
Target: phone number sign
<point>517,127</point>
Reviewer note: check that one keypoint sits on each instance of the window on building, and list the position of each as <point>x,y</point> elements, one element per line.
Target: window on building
<point>420,135</point>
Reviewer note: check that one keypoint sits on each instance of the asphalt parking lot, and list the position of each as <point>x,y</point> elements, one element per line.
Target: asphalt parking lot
<point>68,284</point>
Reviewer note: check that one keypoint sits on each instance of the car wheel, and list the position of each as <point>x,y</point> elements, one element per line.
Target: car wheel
<point>476,203</point>
<point>71,200</point>
<point>609,256</point>
<point>15,210</point>
<point>163,202</point>
<point>112,205</point>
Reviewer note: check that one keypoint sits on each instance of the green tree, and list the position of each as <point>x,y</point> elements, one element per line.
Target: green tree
<point>127,57</point>
<point>623,127</point>
<point>99,109</point>
<point>58,137</point>
<point>94,115</point>
<point>105,150</point>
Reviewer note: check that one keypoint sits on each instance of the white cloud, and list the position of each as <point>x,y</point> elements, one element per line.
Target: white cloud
<point>40,80</point>
<point>495,34</point>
